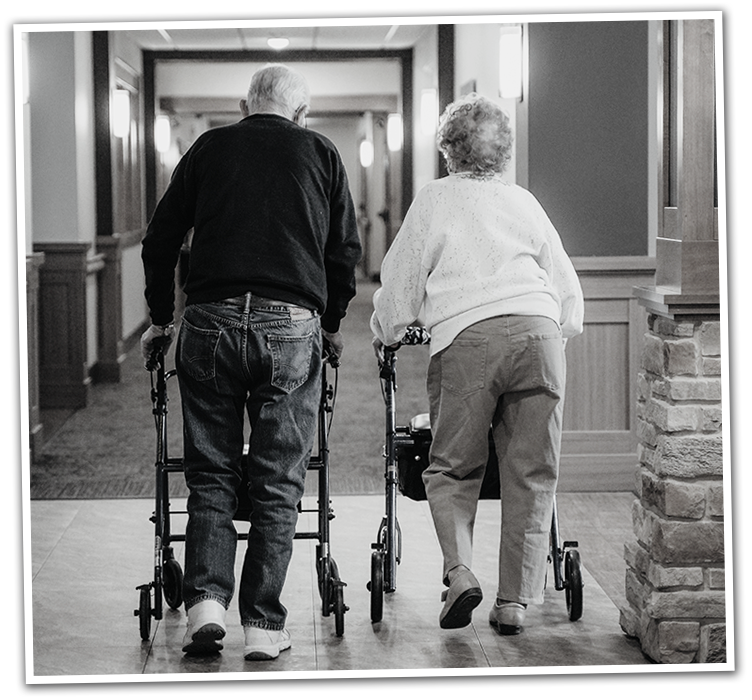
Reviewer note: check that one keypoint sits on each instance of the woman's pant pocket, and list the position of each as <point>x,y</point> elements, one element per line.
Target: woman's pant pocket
<point>463,366</point>
<point>546,353</point>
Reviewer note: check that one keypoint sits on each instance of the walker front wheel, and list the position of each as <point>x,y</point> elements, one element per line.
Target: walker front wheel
<point>339,609</point>
<point>144,611</point>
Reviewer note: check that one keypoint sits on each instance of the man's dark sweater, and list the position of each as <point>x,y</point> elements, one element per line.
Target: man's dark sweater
<point>271,214</point>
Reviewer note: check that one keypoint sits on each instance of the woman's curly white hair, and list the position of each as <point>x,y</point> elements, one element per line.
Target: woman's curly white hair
<point>475,137</point>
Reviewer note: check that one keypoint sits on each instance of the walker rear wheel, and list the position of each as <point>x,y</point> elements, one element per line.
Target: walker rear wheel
<point>172,583</point>
<point>336,601</point>
<point>326,572</point>
<point>573,583</point>
<point>376,585</point>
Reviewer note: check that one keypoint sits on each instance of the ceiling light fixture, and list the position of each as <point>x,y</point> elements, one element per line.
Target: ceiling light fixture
<point>278,42</point>
<point>163,33</point>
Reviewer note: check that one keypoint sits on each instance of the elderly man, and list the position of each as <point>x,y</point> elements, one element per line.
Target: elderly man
<point>272,270</point>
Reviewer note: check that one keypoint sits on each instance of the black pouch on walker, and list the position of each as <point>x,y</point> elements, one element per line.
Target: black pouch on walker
<point>413,445</point>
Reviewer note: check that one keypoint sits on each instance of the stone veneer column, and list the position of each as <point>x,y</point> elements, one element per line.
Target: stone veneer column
<point>675,577</point>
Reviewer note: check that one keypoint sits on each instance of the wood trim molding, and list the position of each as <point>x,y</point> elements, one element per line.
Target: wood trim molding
<point>129,239</point>
<point>34,262</point>
<point>102,135</point>
<point>110,352</point>
<point>672,303</point>
<point>617,264</point>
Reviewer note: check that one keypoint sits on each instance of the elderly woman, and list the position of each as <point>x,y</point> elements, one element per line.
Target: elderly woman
<point>479,260</point>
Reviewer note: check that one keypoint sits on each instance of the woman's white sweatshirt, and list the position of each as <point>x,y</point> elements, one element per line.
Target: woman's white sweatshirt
<point>470,249</point>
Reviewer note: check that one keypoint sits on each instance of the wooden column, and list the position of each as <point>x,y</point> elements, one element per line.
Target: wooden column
<point>675,575</point>
<point>63,375</point>
<point>687,249</point>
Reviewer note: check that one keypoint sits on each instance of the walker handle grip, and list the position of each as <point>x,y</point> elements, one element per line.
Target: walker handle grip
<point>329,355</point>
<point>416,335</point>
<point>156,357</point>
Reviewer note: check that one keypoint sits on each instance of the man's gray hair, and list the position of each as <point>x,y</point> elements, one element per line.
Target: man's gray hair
<point>277,88</point>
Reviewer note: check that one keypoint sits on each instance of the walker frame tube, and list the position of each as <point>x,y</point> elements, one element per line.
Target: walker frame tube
<point>390,536</point>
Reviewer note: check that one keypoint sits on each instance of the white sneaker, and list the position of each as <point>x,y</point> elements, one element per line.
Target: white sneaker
<point>206,626</point>
<point>263,644</point>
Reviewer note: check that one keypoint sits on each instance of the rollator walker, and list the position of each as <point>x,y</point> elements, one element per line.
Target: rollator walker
<point>406,455</point>
<point>167,584</point>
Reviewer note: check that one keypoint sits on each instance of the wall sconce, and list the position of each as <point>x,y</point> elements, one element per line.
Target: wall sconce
<point>162,133</point>
<point>394,132</point>
<point>25,67</point>
<point>366,153</point>
<point>121,113</point>
<point>278,43</point>
<point>429,111</point>
<point>510,62</point>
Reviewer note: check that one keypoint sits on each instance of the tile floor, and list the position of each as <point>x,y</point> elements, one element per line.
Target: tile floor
<point>88,557</point>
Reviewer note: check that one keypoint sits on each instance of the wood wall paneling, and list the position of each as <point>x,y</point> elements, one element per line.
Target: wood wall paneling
<point>63,375</point>
<point>36,435</point>
<point>599,441</point>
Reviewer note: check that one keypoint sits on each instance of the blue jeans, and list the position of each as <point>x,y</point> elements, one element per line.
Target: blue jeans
<point>506,373</point>
<point>239,355</point>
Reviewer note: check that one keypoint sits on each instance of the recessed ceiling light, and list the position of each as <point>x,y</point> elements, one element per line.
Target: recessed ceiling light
<point>278,42</point>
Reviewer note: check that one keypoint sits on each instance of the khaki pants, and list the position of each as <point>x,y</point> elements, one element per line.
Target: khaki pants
<point>507,373</point>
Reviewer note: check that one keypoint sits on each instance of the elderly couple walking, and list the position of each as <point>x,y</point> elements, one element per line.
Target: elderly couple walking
<point>274,250</point>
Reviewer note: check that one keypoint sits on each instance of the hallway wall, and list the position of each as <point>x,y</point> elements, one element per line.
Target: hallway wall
<point>588,133</point>
<point>581,146</point>
<point>61,160</point>
<point>61,228</point>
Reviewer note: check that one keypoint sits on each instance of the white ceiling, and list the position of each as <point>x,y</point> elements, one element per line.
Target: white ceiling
<point>240,38</point>
<point>203,87</point>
